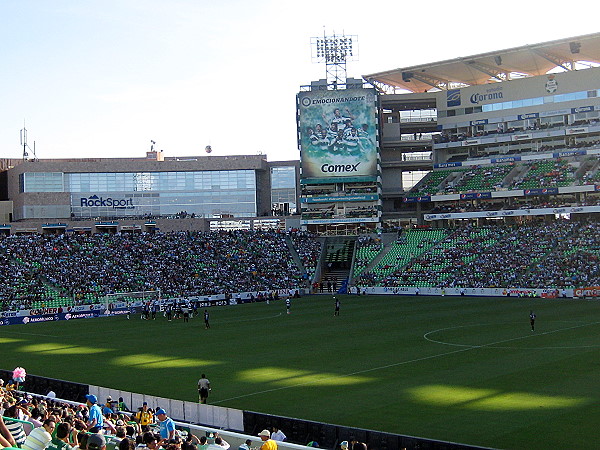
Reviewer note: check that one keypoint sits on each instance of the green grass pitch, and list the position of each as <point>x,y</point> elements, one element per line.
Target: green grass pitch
<point>460,369</point>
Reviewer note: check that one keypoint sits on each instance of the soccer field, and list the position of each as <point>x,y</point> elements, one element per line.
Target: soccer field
<point>460,369</point>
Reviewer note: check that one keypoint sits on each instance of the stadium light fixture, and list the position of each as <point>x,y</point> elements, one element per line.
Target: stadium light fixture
<point>335,51</point>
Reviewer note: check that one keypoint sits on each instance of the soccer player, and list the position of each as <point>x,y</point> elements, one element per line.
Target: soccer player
<point>336,312</point>
<point>352,140</point>
<point>288,305</point>
<point>206,323</point>
<point>532,320</point>
<point>312,136</point>
<point>338,119</point>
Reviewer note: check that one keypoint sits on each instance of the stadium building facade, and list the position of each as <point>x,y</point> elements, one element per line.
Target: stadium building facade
<point>206,192</point>
<point>504,135</point>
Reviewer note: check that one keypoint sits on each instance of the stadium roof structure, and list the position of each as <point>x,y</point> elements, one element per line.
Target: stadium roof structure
<point>497,66</point>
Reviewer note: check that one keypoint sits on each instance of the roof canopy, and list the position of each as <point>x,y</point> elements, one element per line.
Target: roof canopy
<point>502,65</point>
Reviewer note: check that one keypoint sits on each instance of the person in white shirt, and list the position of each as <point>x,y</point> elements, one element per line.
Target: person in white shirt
<point>278,435</point>
<point>222,443</point>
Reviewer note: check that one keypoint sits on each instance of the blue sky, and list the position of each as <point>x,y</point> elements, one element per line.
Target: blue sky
<point>98,78</point>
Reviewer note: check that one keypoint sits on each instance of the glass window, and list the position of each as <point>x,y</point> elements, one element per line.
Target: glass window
<point>528,102</point>
<point>283,177</point>
<point>42,182</point>
<point>203,193</point>
<point>538,101</point>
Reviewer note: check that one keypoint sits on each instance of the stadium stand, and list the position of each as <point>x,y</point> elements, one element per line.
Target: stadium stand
<point>482,178</point>
<point>75,269</point>
<point>560,172</point>
<point>366,251</point>
<point>430,184</point>
<point>308,248</point>
<point>561,254</point>
<point>51,271</point>
<point>409,245</point>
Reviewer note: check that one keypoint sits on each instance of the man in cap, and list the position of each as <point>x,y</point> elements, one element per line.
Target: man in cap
<point>144,417</point>
<point>268,443</point>
<point>166,425</point>
<point>96,442</point>
<point>95,421</point>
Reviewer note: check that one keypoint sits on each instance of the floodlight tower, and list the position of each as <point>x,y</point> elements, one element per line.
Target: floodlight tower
<point>335,51</point>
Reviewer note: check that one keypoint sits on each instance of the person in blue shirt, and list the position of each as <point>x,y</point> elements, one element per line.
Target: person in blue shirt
<point>107,408</point>
<point>95,421</point>
<point>166,425</point>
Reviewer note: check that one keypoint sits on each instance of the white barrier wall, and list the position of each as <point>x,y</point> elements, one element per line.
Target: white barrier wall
<point>214,416</point>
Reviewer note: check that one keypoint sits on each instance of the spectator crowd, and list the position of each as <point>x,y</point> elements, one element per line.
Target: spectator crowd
<point>87,267</point>
<point>560,254</point>
<point>33,422</point>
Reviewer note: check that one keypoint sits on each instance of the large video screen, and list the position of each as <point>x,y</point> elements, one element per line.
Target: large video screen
<point>338,133</point>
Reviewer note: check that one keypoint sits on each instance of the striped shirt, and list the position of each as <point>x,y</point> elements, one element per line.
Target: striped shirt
<point>17,431</point>
<point>37,439</point>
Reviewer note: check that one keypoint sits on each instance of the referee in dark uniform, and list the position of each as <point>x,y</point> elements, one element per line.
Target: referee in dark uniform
<point>206,323</point>
<point>532,320</point>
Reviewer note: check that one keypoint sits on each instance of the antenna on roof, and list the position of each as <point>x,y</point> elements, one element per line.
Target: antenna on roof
<point>26,146</point>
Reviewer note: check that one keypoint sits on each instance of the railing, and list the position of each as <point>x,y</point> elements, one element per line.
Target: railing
<point>27,425</point>
<point>406,157</point>
<point>418,119</point>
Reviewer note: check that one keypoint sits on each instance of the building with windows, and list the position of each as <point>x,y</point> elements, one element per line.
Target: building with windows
<point>500,136</point>
<point>482,137</point>
<point>101,190</point>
